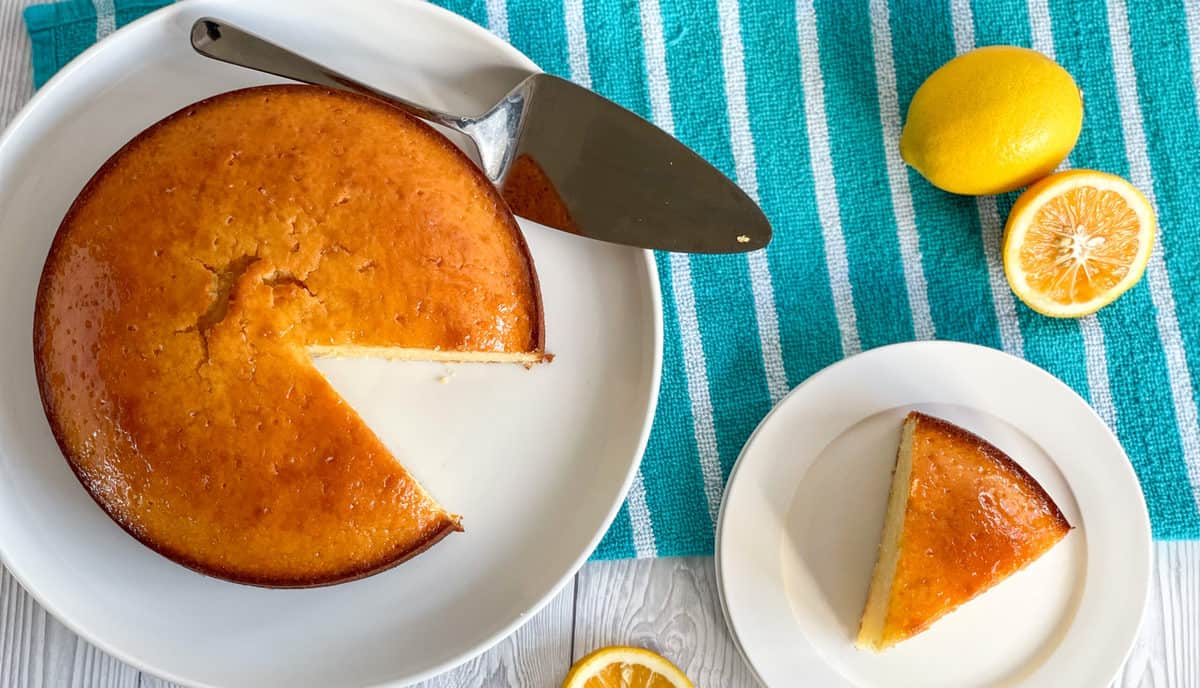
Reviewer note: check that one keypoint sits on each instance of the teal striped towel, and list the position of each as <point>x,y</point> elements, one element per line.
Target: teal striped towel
<point>801,102</point>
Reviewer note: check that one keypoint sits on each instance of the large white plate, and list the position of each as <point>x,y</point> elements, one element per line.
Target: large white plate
<point>803,511</point>
<point>536,461</point>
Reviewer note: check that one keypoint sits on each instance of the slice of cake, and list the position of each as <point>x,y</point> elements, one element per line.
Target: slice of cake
<point>200,270</point>
<point>962,516</point>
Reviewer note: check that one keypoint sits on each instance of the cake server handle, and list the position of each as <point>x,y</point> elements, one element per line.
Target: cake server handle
<point>235,46</point>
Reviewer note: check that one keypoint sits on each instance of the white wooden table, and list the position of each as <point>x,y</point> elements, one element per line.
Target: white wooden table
<point>669,605</point>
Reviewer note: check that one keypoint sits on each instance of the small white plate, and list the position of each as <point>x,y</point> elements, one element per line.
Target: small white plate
<point>803,512</point>
<point>537,461</point>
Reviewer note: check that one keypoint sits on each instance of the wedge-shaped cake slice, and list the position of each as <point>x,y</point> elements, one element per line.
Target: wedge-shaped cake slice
<point>962,516</point>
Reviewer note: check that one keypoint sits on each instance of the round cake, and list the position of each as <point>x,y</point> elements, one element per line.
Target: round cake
<point>199,271</point>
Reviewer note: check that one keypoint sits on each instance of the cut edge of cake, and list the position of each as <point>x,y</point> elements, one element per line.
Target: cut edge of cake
<point>870,630</point>
<point>427,355</point>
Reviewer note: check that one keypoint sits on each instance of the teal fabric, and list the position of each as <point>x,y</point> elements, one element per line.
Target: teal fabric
<point>800,101</point>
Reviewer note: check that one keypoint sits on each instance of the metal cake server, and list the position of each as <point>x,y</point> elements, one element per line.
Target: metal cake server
<point>561,156</point>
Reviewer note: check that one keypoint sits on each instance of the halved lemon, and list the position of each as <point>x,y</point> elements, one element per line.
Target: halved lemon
<point>1077,240</point>
<point>625,667</point>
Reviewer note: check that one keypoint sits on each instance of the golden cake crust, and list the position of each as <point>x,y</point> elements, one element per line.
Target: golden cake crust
<point>973,518</point>
<point>189,277</point>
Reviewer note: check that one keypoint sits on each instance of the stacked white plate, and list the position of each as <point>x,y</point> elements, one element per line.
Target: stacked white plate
<point>537,461</point>
<point>803,512</point>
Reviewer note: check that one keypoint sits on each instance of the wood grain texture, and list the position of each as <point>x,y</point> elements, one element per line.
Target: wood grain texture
<point>1145,667</point>
<point>36,650</point>
<point>16,76</point>
<point>536,655</point>
<point>1178,581</point>
<point>1167,651</point>
<point>667,605</point>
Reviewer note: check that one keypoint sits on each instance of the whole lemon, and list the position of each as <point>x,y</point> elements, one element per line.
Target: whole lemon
<point>992,120</point>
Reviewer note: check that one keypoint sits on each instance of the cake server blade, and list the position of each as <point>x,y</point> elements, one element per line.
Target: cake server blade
<point>560,155</point>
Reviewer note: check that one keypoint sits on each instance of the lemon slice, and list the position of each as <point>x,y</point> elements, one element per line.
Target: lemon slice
<point>1077,240</point>
<point>625,667</point>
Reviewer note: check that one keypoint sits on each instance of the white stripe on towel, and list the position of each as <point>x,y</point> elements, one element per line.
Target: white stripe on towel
<point>746,169</point>
<point>1097,370</point>
<point>990,226</point>
<point>1186,416</point>
<point>497,17</point>
<point>577,45</point>
<point>106,17</point>
<point>828,210</point>
<point>1095,352</point>
<point>694,365</point>
<point>902,207</point>
<point>1192,12</point>
<point>644,544</point>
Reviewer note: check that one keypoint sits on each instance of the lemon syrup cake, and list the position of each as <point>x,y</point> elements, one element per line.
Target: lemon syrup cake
<point>961,517</point>
<point>199,271</point>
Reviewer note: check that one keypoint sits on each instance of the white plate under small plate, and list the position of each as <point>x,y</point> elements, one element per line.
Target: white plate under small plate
<point>536,461</point>
<point>803,511</point>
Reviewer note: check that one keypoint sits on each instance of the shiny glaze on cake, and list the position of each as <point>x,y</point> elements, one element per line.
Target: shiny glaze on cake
<point>973,518</point>
<point>186,284</point>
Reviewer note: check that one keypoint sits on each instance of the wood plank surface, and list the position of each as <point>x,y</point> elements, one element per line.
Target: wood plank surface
<point>667,605</point>
<point>1178,609</point>
<point>16,76</point>
<point>36,651</point>
<point>536,655</point>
